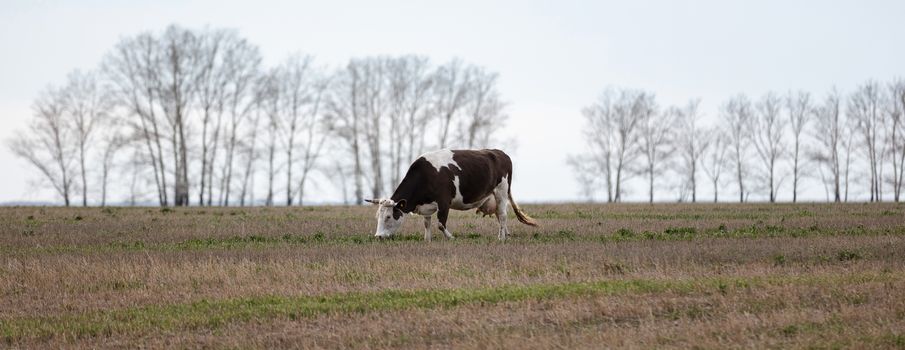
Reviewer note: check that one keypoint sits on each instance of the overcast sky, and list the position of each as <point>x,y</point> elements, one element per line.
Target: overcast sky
<point>553,57</point>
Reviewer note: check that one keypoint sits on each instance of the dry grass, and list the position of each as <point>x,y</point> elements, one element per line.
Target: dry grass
<point>714,276</point>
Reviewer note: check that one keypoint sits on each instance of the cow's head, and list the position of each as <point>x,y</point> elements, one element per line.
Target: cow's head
<point>389,216</point>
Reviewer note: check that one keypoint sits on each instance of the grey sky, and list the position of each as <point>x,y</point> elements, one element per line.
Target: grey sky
<point>553,57</point>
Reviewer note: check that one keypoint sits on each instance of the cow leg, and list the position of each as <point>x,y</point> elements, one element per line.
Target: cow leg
<point>427,228</point>
<point>500,194</point>
<point>442,215</point>
<point>448,234</point>
<point>501,216</point>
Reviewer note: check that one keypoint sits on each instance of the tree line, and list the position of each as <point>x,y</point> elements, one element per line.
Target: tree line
<point>187,116</point>
<point>757,146</point>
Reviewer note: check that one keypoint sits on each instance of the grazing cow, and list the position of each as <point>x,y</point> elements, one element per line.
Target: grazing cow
<point>451,179</point>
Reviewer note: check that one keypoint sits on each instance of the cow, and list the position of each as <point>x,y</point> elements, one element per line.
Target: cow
<point>451,179</point>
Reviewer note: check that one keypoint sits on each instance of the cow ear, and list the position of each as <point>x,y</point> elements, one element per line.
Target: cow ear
<point>401,204</point>
<point>372,201</point>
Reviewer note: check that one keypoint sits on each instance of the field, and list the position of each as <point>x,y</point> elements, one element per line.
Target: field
<point>591,276</point>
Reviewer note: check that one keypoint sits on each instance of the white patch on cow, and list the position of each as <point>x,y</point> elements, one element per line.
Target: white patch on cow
<point>501,195</point>
<point>448,234</point>
<point>426,209</point>
<point>441,158</point>
<point>502,188</point>
<point>457,200</point>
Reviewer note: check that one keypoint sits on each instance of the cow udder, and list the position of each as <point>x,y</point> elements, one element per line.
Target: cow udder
<point>488,208</point>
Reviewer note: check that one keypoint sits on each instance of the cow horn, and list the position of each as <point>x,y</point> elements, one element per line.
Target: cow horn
<point>372,201</point>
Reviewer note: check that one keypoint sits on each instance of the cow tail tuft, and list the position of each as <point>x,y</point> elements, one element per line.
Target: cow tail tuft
<point>522,217</point>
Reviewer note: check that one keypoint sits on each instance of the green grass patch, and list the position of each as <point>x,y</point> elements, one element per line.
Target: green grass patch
<point>213,314</point>
<point>758,230</point>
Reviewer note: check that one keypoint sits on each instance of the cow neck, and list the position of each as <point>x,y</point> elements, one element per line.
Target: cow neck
<point>406,190</point>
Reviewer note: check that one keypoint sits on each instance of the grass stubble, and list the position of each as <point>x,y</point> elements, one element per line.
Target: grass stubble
<point>710,276</point>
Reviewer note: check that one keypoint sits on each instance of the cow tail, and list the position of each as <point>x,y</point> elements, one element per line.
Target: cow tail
<point>522,217</point>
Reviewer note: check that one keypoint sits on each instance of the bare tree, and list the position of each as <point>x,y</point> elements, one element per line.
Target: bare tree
<point>346,118</point>
<point>800,113</point>
<point>227,68</point>
<point>242,70</point>
<point>294,77</point>
<point>178,74</point>
<point>48,145</point>
<point>692,143</point>
<point>210,86</point>
<point>850,132</point>
<point>156,79</point>
<point>269,97</point>
<point>249,154</point>
<point>611,130</point>
<point>865,110</point>
<point>655,133</point>
<point>211,93</point>
<point>85,105</point>
<point>314,127</point>
<point>132,68</point>
<point>600,136</point>
<point>374,106</point>
<point>895,134</point>
<point>195,102</point>
<point>768,128</point>
<point>829,131</point>
<point>611,140</point>
<point>714,160</point>
<point>736,116</point>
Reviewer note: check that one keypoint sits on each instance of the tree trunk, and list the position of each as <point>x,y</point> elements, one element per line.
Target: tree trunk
<point>204,123</point>
<point>270,176</point>
<point>795,174</point>
<point>837,194</point>
<point>82,169</point>
<point>694,183</point>
<point>65,182</point>
<point>741,186</point>
<point>104,187</point>
<point>772,191</point>
<point>289,176</point>
<point>147,138</point>
<point>230,152</point>
<point>160,164</point>
<point>359,195</point>
<point>185,166</point>
<point>609,180</point>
